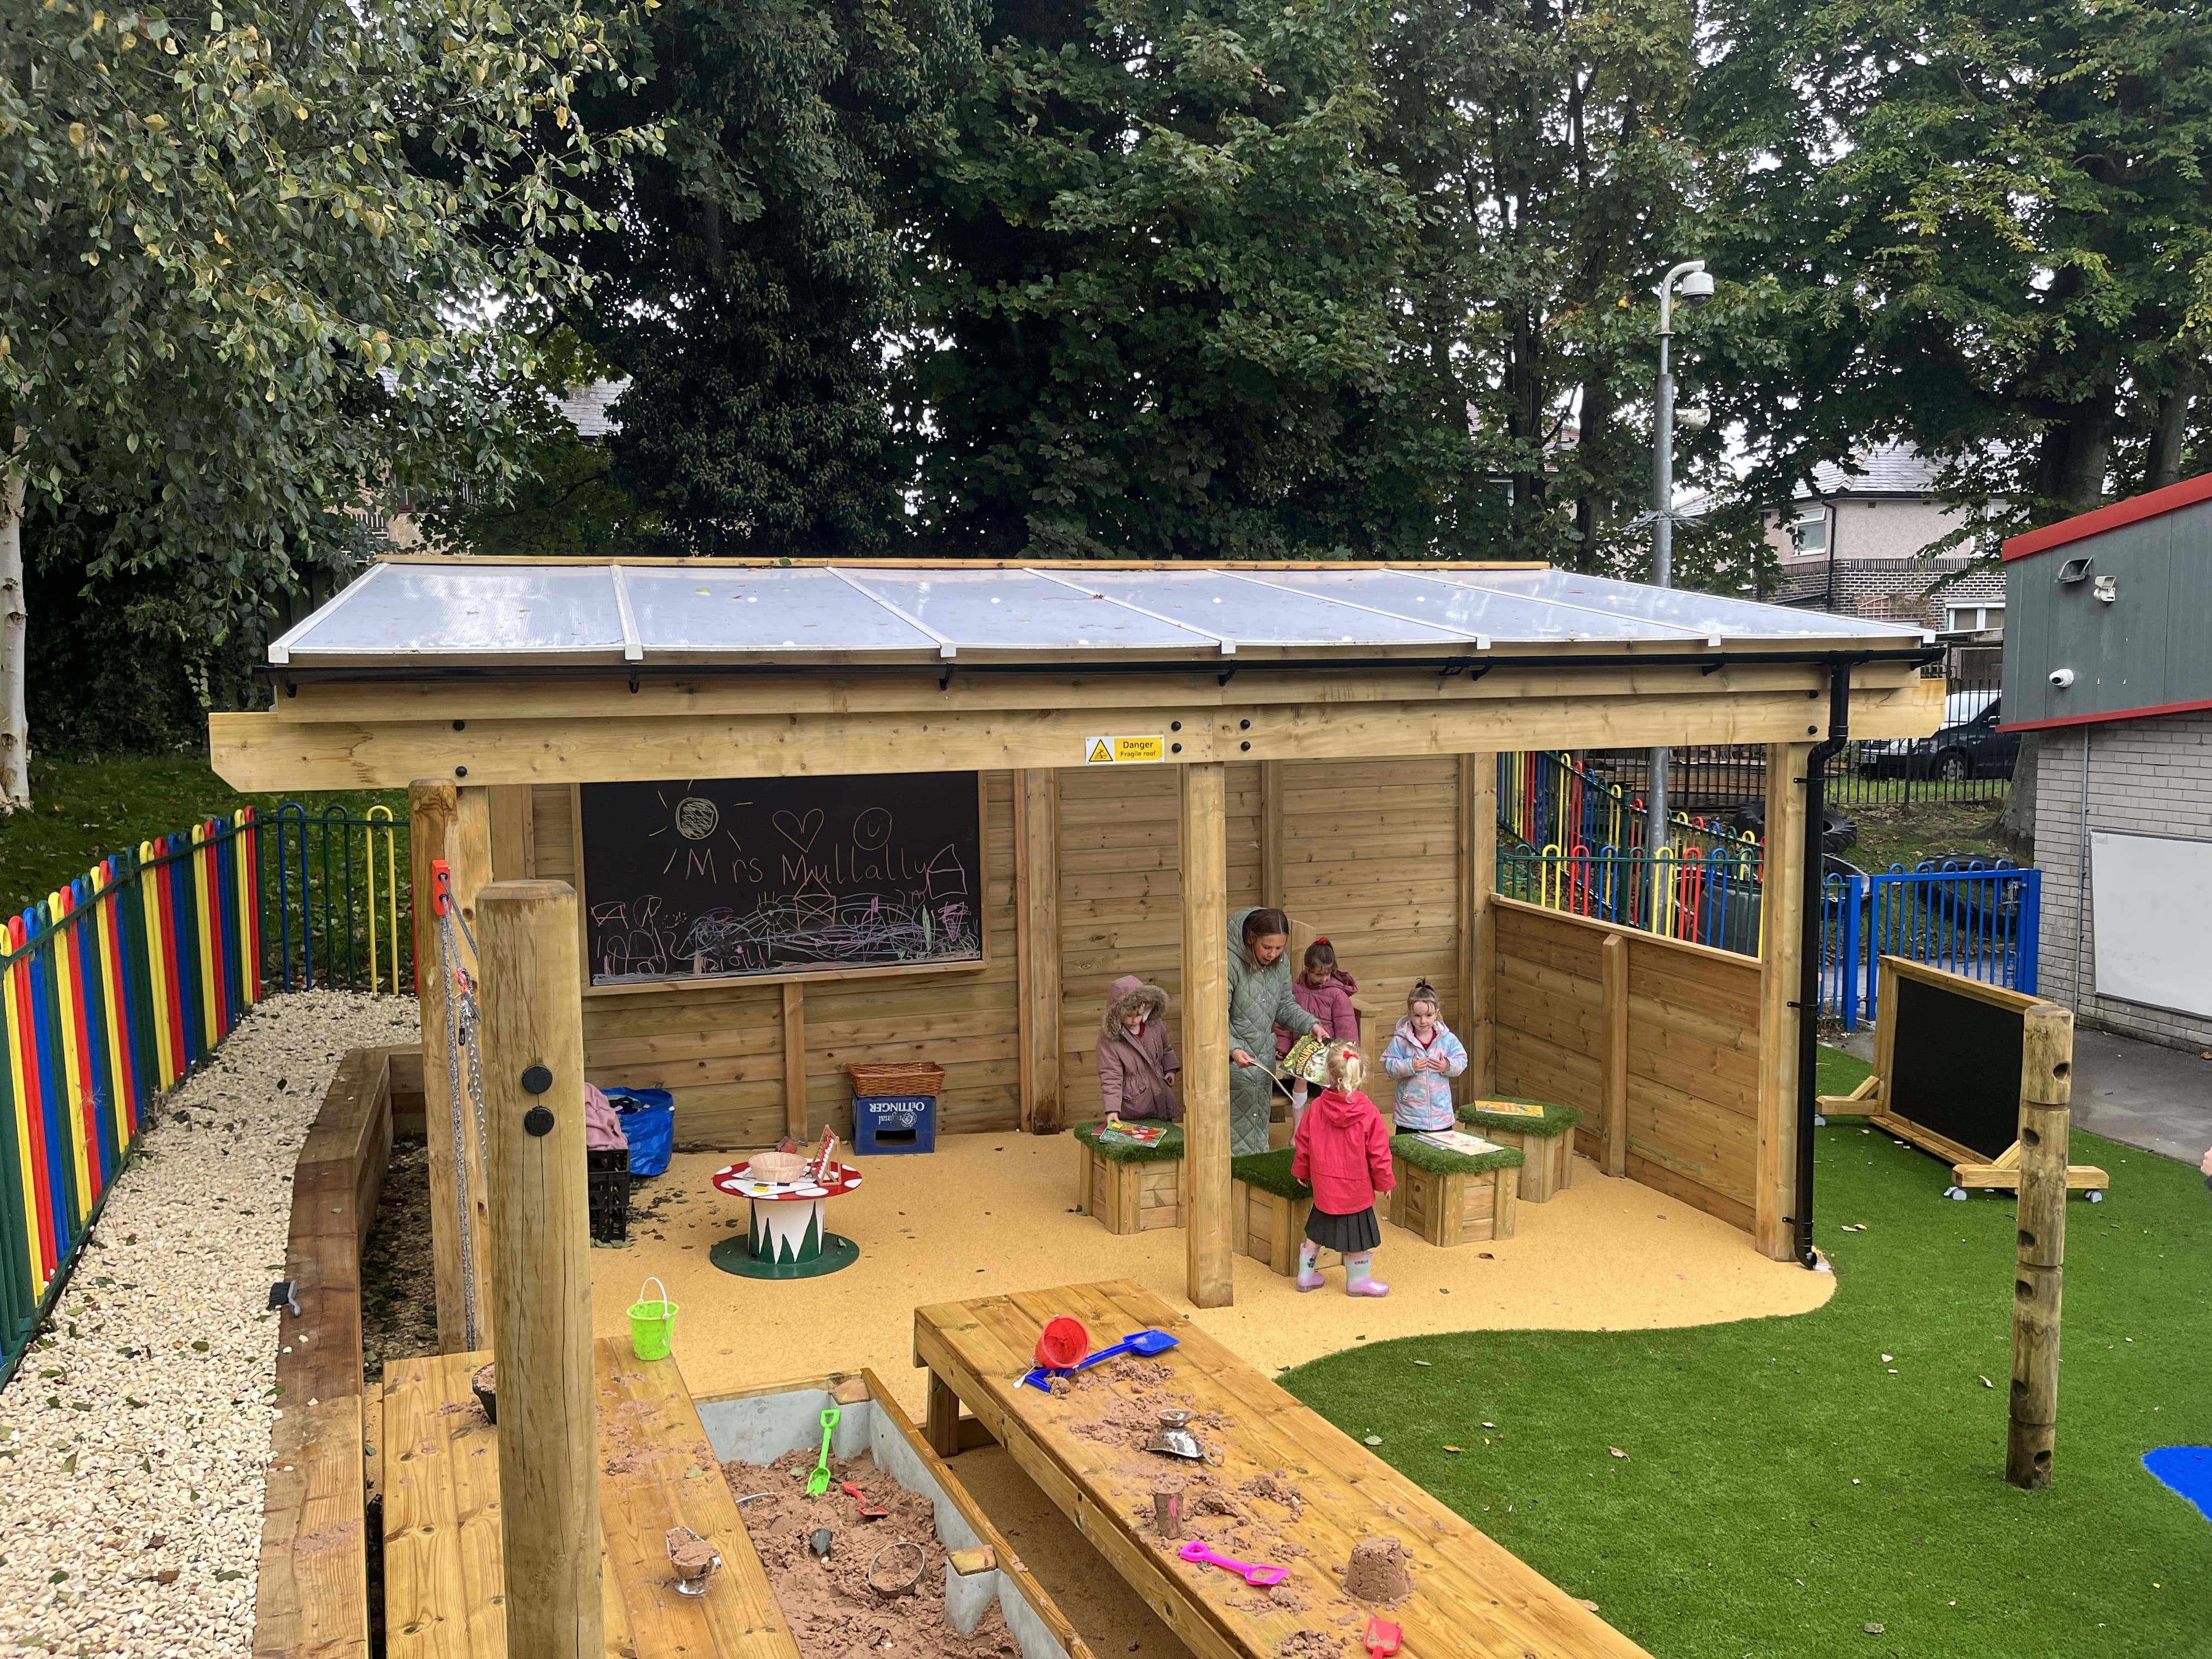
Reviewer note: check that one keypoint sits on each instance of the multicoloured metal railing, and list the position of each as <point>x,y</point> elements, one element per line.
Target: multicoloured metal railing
<point>1571,840</point>
<point>110,990</point>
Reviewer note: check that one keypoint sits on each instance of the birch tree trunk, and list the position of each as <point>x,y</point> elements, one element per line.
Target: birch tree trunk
<point>15,723</point>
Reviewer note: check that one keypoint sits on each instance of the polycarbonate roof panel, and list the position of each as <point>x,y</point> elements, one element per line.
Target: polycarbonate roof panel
<point>1679,608</point>
<point>709,612</point>
<point>1252,608</point>
<point>1020,610</point>
<point>1469,609</point>
<point>467,611</point>
<point>463,611</point>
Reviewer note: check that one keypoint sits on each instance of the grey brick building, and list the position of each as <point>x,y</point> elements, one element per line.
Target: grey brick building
<point>2118,604</point>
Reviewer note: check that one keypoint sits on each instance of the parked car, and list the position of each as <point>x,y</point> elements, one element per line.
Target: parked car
<point>1968,745</point>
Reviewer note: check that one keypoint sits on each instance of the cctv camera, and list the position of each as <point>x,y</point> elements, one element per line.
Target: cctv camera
<point>1697,287</point>
<point>1694,416</point>
<point>2062,678</point>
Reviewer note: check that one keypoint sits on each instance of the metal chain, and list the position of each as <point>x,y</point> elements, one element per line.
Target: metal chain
<point>461,1021</point>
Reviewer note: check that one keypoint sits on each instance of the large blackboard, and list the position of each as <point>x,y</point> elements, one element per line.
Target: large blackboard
<point>731,877</point>
<point>1955,1066</point>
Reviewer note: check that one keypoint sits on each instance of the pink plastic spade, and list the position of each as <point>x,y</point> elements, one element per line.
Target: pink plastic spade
<point>1260,1576</point>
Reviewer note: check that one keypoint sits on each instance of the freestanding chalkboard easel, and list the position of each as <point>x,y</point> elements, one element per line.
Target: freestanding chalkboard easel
<point>1947,1076</point>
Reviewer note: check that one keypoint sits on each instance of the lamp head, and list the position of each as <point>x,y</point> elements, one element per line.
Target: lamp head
<point>1697,287</point>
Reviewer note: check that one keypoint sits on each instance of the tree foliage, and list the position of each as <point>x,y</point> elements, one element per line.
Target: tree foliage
<point>256,264</point>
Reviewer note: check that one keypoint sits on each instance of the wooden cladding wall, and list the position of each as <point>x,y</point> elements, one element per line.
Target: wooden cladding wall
<point>1688,1028</point>
<point>1367,853</point>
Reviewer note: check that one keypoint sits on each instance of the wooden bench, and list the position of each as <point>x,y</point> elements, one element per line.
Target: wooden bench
<point>1268,1210</point>
<point>1135,1189</point>
<point>444,1598</point>
<point>1546,1143</point>
<point>1447,1200</point>
<point>1471,1596</point>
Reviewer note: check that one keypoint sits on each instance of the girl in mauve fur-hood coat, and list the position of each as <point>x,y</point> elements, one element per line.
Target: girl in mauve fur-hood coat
<point>1137,1065</point>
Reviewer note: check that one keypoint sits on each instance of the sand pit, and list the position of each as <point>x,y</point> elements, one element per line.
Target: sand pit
<point>826,1598</point>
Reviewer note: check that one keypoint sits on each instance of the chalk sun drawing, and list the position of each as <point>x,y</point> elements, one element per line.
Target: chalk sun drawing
<point>696,817</point>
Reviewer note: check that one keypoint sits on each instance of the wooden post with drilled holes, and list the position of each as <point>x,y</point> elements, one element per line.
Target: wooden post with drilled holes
<point>2046,1064</point>
<point>533,1073</point>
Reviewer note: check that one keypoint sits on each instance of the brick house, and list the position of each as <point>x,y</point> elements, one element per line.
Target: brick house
<point>2110,663</point>
<point>1854,541</point>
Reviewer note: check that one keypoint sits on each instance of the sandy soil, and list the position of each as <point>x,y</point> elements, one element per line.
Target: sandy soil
<point>991,1214</point>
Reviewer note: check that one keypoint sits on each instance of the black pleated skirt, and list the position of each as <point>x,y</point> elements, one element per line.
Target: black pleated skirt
<point>1347,1235</point>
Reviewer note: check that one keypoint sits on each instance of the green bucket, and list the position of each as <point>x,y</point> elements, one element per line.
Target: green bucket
<point>651,1324</point>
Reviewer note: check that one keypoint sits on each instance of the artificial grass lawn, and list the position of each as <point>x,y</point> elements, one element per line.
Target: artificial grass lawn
<point>83,810</point>
<point>1783,1489</point>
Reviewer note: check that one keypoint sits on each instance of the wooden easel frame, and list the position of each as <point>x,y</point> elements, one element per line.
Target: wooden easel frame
<point>1970,1170</point>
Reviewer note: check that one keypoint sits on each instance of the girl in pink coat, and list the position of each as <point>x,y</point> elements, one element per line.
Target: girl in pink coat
<point>1342,1151</point>
<point>1325,990</point>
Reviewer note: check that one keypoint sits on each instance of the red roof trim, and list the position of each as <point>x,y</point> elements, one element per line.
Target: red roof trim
<point>2197,706</point>
<point>2133,510</point>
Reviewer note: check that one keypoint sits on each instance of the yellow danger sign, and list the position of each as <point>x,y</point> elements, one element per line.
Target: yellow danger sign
<point>1124,751</point>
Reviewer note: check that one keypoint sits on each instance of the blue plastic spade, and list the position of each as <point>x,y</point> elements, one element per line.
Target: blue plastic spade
<point>1143,1342</point>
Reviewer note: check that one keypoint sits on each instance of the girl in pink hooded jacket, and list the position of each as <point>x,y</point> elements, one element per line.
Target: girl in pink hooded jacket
<point>1342,1151</point>
<point>1325,990</point>
<point>1137,1064</point>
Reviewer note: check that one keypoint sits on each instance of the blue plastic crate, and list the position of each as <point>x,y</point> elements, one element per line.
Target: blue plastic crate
<point>894,1123</point>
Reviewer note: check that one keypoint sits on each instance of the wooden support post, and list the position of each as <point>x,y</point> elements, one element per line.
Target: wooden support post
<point>2047,1093</point>
<point>1782,918</point>
<point>1478,880</point>
<point>549,1465</point>
<point>1036,914</point>
<point>1273,798</point>
<point>1612,1049</point>
<point>1208,1232</point>
<point>794,1060</point>
<point>452,826</point>
<point>943,1422</point>
<point>512,855</point>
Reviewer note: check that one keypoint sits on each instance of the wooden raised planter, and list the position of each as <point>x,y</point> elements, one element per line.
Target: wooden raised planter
<point>1547,1143</point>
<point>1269,1209</point>
<point>1450,1199</point>
<point>1130,1189</point>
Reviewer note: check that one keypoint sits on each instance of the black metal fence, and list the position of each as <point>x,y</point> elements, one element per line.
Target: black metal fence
<point>1969,760</point>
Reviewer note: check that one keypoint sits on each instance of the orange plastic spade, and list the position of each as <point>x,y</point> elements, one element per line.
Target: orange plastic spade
<point>1382,1638</point>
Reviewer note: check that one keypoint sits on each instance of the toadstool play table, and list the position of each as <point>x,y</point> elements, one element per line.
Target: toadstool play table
<point>789,1236</point>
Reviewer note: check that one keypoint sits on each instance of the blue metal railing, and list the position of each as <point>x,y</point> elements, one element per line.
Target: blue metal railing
<point>1978,918</point>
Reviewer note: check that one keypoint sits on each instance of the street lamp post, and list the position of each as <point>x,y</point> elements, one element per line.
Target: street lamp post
<point>1697,287</point>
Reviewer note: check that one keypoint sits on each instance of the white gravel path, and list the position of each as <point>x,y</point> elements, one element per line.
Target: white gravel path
<point>133,1438</point>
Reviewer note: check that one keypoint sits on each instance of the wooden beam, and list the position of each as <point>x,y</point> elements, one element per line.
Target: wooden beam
<point>1782,918</point>
<point>1477,881</point>
<point>2046,1094</point>
<point>261,752</point>
<point>1612,1049</point>
<point>794,1059</point>
<point>1210,1247</point>
<point>512,855</point>
<point>1274,797</point>
<point>441,830</point>
<point>1036,917</point>
<point>549,1466</point>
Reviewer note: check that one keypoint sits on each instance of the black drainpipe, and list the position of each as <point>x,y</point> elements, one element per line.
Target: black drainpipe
<point>1808,948</point>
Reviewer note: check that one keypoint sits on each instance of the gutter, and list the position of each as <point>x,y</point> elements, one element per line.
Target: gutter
<point>1808,949</point>
<point>286,676</point>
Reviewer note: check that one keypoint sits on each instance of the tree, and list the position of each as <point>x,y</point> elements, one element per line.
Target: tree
<point>257,263</point>
<point>750,276</point>
<point>1990,226</point>
<point>1162,287</point>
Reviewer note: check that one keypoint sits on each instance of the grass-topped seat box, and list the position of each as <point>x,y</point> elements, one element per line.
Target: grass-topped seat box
<point>1268,1209</point>
<point>1453,1197</point>
<point>1543,1130</point>
<point>1132,1185</point>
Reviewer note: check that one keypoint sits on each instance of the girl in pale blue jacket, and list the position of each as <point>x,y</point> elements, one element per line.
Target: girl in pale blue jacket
<point>1424,1057</point>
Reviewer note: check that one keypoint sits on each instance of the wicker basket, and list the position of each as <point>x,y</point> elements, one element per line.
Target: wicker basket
<point>916,1076</point>
<point>777,1166</point>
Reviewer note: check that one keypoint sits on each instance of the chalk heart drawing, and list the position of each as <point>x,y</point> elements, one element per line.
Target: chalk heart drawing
<point>696,817</point>
<point>799,832</point>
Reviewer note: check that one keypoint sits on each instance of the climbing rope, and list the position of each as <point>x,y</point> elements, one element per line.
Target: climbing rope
<point>463,1024</point>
